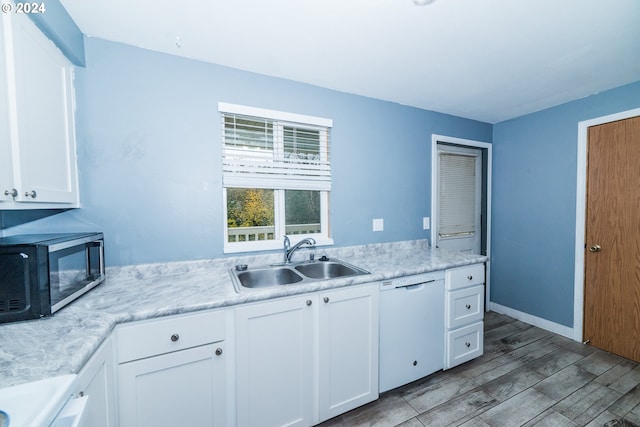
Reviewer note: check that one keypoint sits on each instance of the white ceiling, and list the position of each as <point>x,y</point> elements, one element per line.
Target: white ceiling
<point>489,60</point>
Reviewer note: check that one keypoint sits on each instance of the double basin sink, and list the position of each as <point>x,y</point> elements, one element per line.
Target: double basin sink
<point>269,276</point>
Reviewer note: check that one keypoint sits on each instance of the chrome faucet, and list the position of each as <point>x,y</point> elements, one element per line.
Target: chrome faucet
<point>289,250</point>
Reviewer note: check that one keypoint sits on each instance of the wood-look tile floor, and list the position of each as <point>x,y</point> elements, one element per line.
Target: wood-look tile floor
<point>526,377</point>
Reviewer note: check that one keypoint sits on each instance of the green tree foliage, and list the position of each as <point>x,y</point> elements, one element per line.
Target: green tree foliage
<point>250,207</point>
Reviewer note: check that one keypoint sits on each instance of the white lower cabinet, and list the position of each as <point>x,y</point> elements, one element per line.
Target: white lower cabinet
<point>275,362</point>
<point>171,372</point>
<point>305,359</point>
<point>464,313</point>
<point>348,349</point>
<point>183,388</point>
<point>96,380</point>
<point>293,361</point>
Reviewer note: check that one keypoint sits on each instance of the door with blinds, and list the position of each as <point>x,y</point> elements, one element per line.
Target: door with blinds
<point>459,199</point>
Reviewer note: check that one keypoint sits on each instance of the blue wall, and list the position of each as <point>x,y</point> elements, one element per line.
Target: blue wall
<point>534,204</point>
<point>148,134</point>
<point>56,24</point>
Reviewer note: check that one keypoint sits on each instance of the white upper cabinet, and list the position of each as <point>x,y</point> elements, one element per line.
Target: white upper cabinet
<point>37,148</point>
<point>6,165</point>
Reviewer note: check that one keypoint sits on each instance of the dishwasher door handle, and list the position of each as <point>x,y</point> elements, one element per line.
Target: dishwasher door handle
<point>415,285</point>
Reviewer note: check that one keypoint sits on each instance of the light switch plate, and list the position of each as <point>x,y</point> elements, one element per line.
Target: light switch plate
<point>425,223</point>
<point>378,224</point>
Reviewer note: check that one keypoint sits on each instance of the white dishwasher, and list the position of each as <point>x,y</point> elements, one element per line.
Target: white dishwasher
<point>411,328</point>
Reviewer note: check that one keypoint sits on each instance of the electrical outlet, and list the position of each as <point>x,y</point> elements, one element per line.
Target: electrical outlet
<point>378,224</point>
<point>425,223</point>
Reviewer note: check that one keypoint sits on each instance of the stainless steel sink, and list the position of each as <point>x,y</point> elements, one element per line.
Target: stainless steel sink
<point>326,270</point>
<point>247,278</point>
<point>266,277</point>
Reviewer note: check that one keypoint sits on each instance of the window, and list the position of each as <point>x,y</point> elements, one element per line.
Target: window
<point>276,177</point>
<point>459,198</point>
<point>457,194</point>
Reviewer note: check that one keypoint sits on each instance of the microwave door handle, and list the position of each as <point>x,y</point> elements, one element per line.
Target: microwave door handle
<point>101,256</point>
<point>99,244</point>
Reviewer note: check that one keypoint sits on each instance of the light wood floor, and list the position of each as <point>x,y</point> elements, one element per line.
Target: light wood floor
<point>527,376</point>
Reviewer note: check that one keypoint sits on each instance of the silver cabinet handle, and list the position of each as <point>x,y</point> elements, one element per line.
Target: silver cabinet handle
<point>218,351</point>
<point>595,248</point>
<point>468,344</point>
<point>470,277</point>
<point>468,306</point>
<point>326,299</point>
<point>13,192</point>
<point>31,194</point>
<point>308,302</point>
<point>175,337</point>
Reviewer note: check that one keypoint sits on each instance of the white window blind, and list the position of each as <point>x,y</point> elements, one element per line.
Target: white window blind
<point>457,194</point>
<point>264,152</point>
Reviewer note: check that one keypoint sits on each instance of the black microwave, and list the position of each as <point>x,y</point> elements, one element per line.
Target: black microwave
<point>41,273</point>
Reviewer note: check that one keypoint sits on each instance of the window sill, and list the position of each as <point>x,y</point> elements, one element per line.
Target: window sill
<point>268,245</point>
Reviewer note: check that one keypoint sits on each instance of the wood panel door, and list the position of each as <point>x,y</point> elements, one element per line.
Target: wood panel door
<point>612,258</point>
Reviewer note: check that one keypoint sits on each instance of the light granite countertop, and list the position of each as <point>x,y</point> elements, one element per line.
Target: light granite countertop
<point>63,343</point>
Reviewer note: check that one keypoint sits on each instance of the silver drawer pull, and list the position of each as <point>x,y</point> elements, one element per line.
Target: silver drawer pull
<point>468,344</point>
<point>468,306</point>
<point>218,351</point>
<point>309,302</point>
<point>470,277</point>
<point>175,337</point>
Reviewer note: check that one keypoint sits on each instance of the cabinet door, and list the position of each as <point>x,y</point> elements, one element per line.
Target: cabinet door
<point>348,358</point>
<point>275,363</point>
<point>43,120</point>
<point>96,381</point>
<point>183,388</point>
<point>6,156</point>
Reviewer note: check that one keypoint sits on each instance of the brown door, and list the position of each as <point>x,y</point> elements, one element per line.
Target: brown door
<point>612,257</point>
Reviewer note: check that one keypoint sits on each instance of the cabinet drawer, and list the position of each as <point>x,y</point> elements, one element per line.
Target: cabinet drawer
<point>462,277</point>
<point>164,335</point>
<point>464,306</point>
<point>464,344</point>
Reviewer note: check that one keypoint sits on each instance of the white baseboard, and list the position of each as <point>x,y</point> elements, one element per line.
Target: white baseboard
<point>534,320</point>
